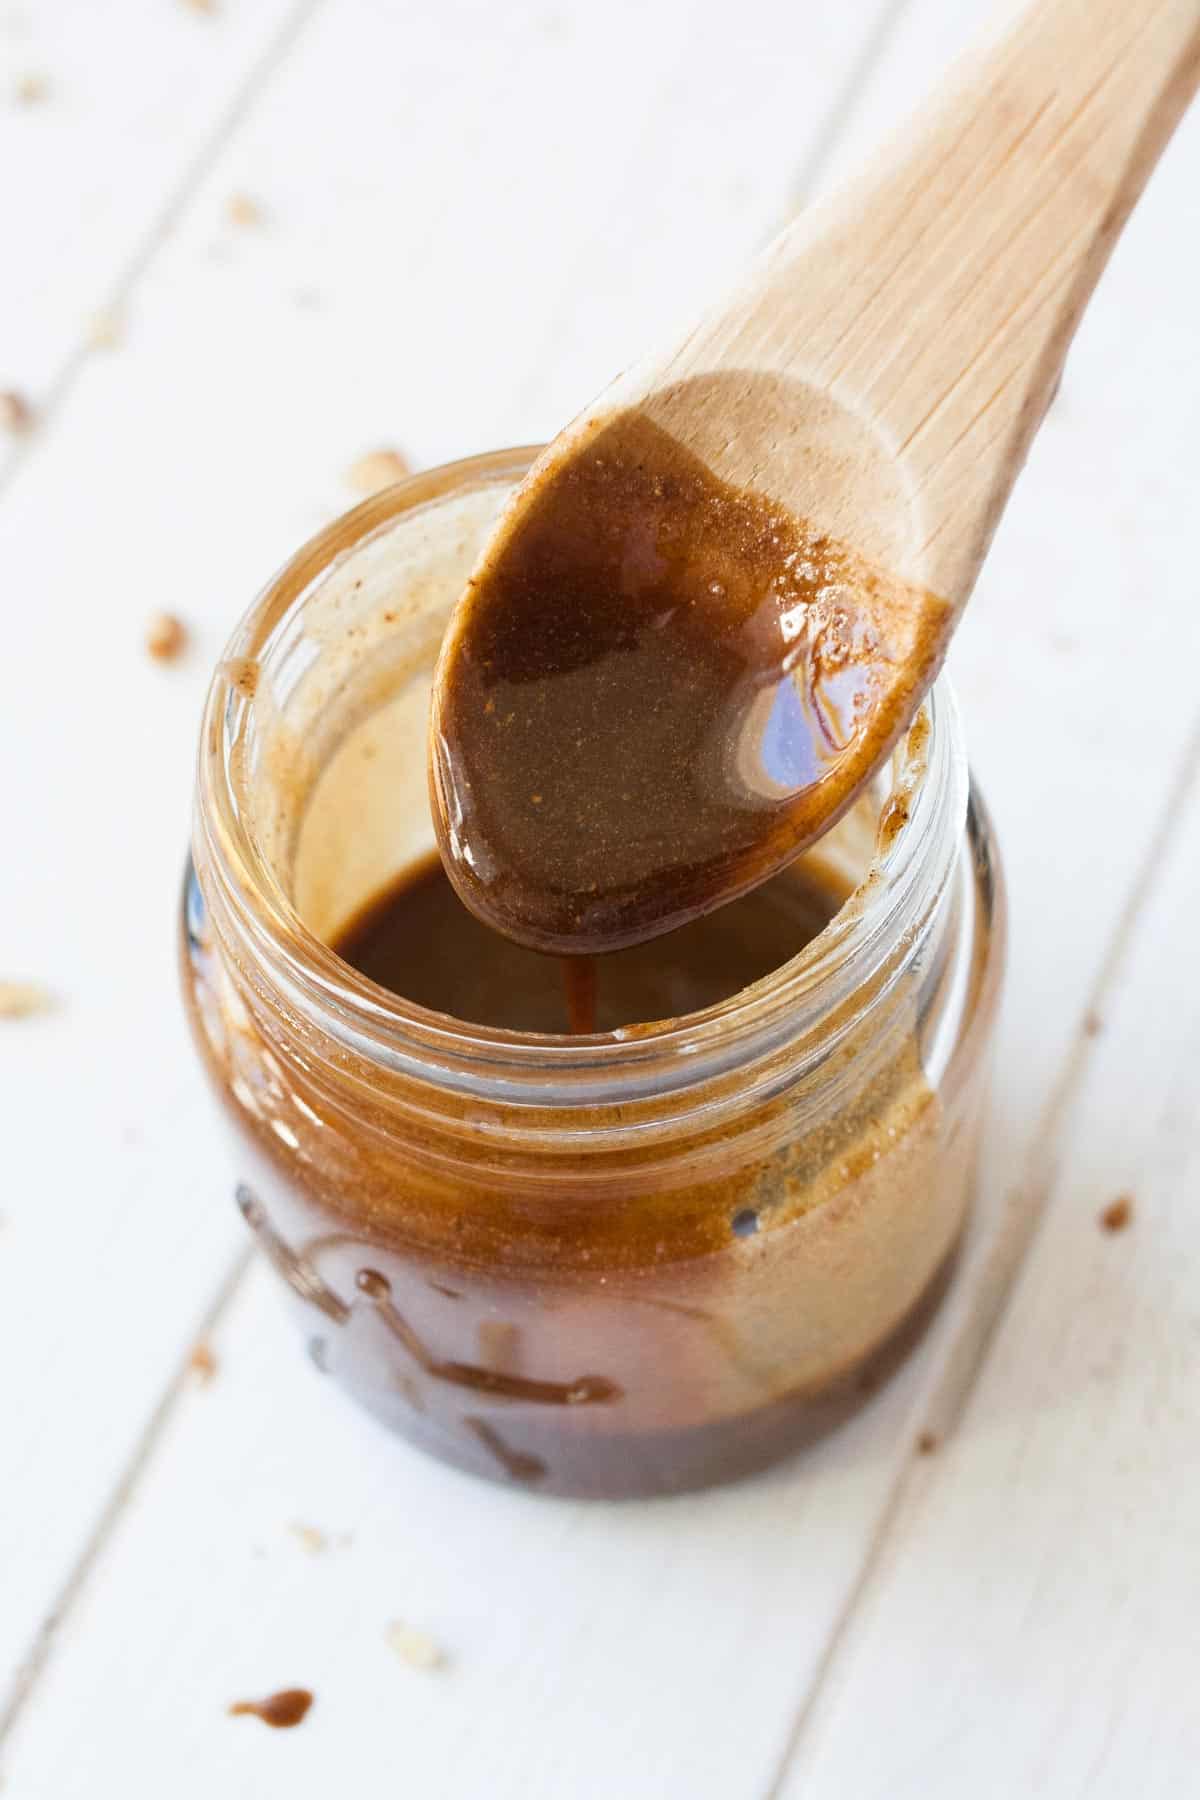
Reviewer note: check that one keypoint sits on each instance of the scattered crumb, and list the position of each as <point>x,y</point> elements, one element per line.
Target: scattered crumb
<point>243,209</point>
<point>928,1442</point>
<point>106,329</point>
<point>22,999</point>
<point>310,1538</point>
<point>1093,1024</point>
<point>16,414</point>
<point>1118,1213</point>
<point>202,1362</point>
<point>31,90</point>
<point>414,1647</point>
<point>377,470</point>
<point>202,6</point>
<point>166,637</point>
<point>282,1710</point>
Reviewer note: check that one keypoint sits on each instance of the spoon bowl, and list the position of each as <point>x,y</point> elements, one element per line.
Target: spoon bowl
<point>668,704</point>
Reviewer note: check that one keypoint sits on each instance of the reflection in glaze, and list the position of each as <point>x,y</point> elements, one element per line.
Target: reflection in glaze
<point>408,1386</point>
<point>496,1340</point>
<point>586,1390</point>
<point>515,1463</point>
<point>297,1271</point>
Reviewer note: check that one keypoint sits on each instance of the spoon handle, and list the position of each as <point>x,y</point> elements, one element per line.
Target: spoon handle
<point>965,256</point>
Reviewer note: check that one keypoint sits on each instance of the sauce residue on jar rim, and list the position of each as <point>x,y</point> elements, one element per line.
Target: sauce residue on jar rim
<point>656,690</point>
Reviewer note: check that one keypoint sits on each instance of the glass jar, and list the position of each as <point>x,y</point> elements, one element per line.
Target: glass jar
<point>622,1264</point>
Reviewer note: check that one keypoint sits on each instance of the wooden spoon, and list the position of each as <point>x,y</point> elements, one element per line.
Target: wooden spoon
<point>715,602</point>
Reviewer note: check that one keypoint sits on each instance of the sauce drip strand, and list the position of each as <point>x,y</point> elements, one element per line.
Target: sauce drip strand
<point>657,689</point>
<point>580,980</point>
<point>418,939</point>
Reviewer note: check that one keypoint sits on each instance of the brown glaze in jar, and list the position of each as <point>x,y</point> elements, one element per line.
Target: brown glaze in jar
<point>616,1264</point>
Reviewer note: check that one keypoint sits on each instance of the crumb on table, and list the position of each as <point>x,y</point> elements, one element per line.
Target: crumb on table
<point>166,637</point>
<point>415,1648</point>
<point>16,414</point>
<point>23,999</point>
<point>282,1710</point>
<point>32,89</point>
<point>243,209</point>
<point>927,1443</point>
<point>310,1538</point>
<point>1118,1213</point>
<point>203,1362</point>
<point>377,470</point>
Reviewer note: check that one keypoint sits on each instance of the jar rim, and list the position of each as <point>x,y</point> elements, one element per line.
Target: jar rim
<point>837,975</point>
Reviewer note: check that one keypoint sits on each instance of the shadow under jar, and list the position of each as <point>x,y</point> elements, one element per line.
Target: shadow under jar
<point>630,1263</point>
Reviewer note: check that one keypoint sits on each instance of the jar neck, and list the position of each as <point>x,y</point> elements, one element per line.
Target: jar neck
<point>781,1034</point>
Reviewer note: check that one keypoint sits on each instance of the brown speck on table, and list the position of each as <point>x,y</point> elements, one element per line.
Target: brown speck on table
<point>284,1709</point>
<point>415,1648</point>
<point>31,89</point>
<point>377,470</point>
<point>1093,1024</point>
<point>166,637</point>
<point>244,209</point>
<point>927,1443</point>
<point>1117,1214</point>
<point>16,414</point>
<point>202,1362</point>
<point>23,999</point>
<point>202,6</point>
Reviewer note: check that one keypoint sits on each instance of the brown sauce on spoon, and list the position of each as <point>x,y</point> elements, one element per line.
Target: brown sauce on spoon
<point>656,690</point>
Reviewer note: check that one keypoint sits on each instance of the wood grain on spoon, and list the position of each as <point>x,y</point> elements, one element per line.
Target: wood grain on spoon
<point>718,597</point>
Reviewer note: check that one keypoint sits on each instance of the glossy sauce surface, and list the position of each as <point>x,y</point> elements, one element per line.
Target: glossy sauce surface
<point>656,690</point>
<point>421,942</point>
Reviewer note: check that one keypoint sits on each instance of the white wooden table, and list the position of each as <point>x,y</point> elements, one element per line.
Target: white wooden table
<point>473,213</point>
